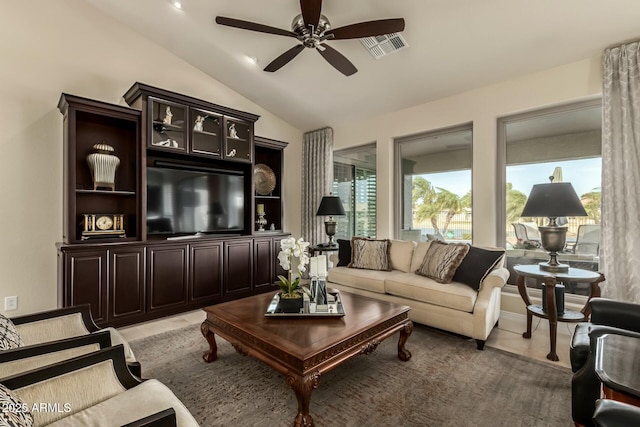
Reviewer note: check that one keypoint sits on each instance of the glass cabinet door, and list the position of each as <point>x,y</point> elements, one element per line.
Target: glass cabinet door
<point>168,125</point>
<point>238,140</point>
<point>205,132</point>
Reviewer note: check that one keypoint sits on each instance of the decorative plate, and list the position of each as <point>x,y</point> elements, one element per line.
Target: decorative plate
<point>264,179</point>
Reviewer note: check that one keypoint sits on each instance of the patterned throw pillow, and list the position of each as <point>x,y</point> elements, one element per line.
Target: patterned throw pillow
<point>14,413</point>
<point>369,254</point>
<point>9,337</point>
<point>442,260</point>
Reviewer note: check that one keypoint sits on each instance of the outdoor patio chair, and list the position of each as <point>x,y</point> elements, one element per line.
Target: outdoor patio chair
<point>588,240</point>
<point>526,233</point>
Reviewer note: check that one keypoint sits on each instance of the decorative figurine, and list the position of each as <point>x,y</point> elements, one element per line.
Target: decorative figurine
<point>103,164</point>
<point>232,131</point>
<point>168,116</point>
<point>199,123</point>
<point>231,153</point>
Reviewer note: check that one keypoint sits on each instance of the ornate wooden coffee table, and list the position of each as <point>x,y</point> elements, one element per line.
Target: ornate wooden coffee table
<point>303,349</point>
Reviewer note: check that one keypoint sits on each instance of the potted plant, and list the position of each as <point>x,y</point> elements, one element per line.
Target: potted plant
<point>291,292</point>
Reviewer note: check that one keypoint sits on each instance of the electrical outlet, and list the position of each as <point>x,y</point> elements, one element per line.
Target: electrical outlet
<point>10,303</point>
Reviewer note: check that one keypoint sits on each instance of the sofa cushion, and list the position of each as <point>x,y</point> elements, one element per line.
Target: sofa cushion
<point>344,252</point>
<point>442,260</point>
<point>370,280</point>
<point>9,337</point>
<point>369,254</point>
<point>400,254</point>
<point>453,295</point>
<point>13,411</point>
<point>418,255</point>
<point>476,265</point>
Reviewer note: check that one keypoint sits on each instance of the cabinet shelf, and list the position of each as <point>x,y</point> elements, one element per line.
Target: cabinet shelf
<point>267,197</point>
<point>106,192</point>
<point>204,132</point>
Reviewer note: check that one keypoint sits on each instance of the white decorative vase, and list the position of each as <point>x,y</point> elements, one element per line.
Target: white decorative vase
<point>103,164</point>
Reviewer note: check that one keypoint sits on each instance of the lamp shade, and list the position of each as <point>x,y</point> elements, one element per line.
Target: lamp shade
<point>330,206</point>
<point>553,200</point>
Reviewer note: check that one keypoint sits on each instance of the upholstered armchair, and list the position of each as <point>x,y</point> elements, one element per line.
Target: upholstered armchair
<point>64,323</point>
<point>611,413</point>
<point>607,317</point>
<point>22,359</point>
<point>95,389</point>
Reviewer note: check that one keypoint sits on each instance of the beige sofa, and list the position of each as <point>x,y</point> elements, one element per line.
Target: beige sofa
<point>454,306</point>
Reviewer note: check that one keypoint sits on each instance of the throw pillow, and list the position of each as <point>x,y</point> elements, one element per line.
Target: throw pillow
<point>9,337</point>
<point>344,252</point>
<point>369,254</point>
<point>400,253</point>
<point>418,255</point>
<point>14,411</point>
<point>476,265</point>
<point>442,260</point>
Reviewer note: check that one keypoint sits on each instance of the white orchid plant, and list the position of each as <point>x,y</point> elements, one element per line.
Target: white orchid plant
<point>291,248</point>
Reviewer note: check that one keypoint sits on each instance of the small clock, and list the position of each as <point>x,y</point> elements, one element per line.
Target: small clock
<point>102,225</point>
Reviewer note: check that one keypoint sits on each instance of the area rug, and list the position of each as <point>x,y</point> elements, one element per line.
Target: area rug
<point>447,382</point>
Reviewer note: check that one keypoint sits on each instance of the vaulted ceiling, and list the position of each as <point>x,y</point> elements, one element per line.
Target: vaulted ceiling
<point>453,46</point>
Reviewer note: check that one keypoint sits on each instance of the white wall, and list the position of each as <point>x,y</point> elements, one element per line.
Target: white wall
<point>571,82</point>
<point>50,47</point>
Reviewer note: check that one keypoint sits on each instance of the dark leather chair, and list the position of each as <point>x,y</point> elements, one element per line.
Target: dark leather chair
<point>607,317</point>
<point>611,413</point>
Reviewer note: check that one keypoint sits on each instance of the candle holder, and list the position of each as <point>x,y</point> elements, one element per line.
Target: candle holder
<point>262,221</point>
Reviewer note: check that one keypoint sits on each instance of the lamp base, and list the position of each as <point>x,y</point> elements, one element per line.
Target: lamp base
<point>554,268</point>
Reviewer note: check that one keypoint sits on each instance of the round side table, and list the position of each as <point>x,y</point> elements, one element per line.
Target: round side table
<point>550,279</point>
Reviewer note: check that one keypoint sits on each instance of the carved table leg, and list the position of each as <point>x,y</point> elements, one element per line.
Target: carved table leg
<point>522,289</point>
<point>303,386</point>
<point>403,353</point>
<point>552,313</point>
<point>594,292</point>
<point>212,354</point>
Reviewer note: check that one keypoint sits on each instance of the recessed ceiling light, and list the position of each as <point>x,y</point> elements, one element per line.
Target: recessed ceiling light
<point>177,4</point>
<point>252,60</point>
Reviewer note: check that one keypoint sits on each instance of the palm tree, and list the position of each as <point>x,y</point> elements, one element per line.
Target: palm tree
<point>592,202</point>
<point>452,203</point>
<point>423,197</point>
<point>515,203</point>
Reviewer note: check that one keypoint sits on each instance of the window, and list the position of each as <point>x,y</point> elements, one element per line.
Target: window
<point>354,181</point>
<point>433,185</point>
<point>561,142</point>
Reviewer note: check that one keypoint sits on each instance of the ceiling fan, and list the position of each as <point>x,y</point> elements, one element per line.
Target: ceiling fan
<point>312,29</point>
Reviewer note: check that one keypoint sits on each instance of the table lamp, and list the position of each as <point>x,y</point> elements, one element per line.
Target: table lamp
<point>330,206</point>
<point>553,200</point>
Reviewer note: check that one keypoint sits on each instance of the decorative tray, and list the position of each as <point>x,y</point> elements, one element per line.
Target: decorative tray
<point>264,179</point>
<point>309,310</point>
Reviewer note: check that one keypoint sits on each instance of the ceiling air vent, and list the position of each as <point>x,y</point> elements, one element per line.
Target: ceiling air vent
<point>384,45</point>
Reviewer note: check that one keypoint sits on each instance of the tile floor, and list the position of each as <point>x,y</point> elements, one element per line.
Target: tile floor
<point>507,336</point>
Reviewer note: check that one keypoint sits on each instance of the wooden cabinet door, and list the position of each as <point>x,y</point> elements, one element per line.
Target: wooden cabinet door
<point>263,263</point>
<point>126,282</point>
<point>237,267</point>
<point>166,277</point>
<point>85,281</point>
<point>205,272</point>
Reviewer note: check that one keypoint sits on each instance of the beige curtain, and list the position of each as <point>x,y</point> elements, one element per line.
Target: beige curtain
<point>317,181</point>
<point>620,253</point>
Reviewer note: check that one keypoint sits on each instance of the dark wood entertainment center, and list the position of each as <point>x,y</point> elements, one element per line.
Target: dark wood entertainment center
<point>148,274</point>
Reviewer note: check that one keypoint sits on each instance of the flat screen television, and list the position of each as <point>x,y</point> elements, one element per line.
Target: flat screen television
<point>183,200</point>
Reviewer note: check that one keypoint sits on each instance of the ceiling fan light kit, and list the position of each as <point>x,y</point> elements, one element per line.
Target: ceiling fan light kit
<point>312,29</point>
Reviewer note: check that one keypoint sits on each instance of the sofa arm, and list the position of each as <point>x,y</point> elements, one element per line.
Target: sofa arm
<point>618,314</point>
<point>497,278</point>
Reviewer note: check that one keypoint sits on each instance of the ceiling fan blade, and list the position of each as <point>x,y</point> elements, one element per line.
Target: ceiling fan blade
<point>311,11</point>
<point>368,29</point>
<point>283,59</point>
<point>252,26</point>
<point>337,60</point>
